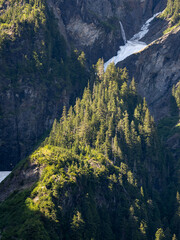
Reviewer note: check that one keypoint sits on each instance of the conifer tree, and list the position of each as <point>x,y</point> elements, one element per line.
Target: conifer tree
<point>100,68</point>
<point>159,234</point>
<point>132,87</point>
<point>64,114</point>
<point>174,237</point>
<point>127,129</point>
<point>147,127</point>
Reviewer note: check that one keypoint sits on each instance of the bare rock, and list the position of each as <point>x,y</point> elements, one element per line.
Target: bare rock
<point>156,69</point>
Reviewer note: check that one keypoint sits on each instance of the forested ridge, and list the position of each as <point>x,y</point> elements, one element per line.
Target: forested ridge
<point>29,29</point>
<point>104,172</point>
<point>172,14</point>
<point>172,11</point>
<point>38,71</point>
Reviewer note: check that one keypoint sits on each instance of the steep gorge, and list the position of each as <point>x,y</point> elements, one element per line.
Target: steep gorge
<point>93,26</point>
<point>102,173</point>
<point>37,74</point>
<point>156,70</point>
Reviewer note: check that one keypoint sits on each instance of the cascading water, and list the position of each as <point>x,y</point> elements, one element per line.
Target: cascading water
<point>123,33</point>
<point>133,45</point>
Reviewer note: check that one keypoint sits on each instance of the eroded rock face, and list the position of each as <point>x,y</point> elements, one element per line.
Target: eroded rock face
<point>27,113</point>
<point>86,33</point>
<point>93,25</point>
<point>156,70</point>
<point>32,95</point>
<point>20,179</point>
<point>29,107</point>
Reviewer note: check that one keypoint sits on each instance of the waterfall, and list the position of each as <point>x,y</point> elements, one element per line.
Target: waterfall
<point>131,46</point>
<point>123,33</point>
<point>144,29</point>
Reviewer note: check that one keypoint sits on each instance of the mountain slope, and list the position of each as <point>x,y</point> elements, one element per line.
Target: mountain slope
<point>94,26</point>
<point>37,77</point>
<point>100,171</point>
<point>38,73</point>
<point>157,70</point>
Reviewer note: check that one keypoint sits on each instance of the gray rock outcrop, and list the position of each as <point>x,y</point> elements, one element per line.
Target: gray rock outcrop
<point>156,69</point>
<point>28,107</point>
<point>93,26</point>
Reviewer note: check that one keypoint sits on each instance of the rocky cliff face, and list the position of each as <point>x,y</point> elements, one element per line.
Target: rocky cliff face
<point>35,80</point>
<point>27,112</point>
<point>156,70</point>
<point>93,26</point>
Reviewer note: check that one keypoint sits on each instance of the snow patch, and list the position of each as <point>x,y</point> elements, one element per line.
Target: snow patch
<point>132,46</point>
<point>3,175</point>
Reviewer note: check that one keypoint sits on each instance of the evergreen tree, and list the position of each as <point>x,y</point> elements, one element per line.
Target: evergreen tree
<point>159,234</point>
<point>100,68</point>
<point>99,162</point>
<point>174,237</point>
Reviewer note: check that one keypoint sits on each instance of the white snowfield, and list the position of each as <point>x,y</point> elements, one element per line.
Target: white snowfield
<point>3,175</point>
<point>133,45</point>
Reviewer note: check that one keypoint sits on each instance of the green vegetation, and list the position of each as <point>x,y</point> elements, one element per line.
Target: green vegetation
<point>176,94</point>
<point>170,126</point>
<point>169,131</point>
<point>102,171</point>
<point>15,14</point>
<point>34,55</point>
<point>172,14</point>
<point>172,11</point>
<point>111,119</point>
<point>30,34</point>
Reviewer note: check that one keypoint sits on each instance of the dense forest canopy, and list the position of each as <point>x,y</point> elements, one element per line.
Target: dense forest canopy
<point>172,11</point>
<point>103,172</point>
<point>37,70</point>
